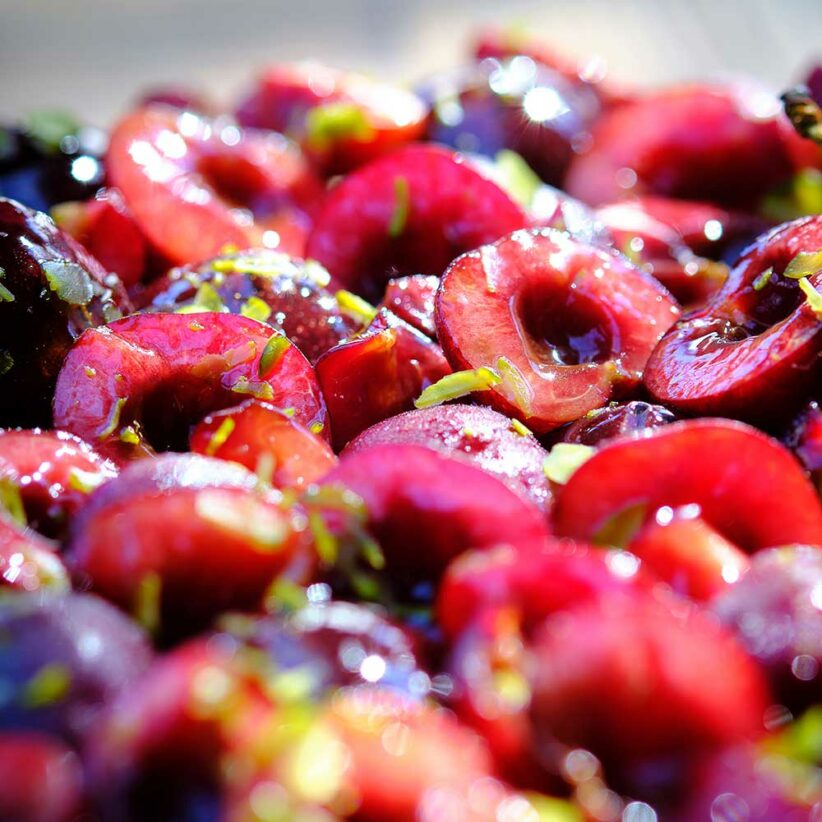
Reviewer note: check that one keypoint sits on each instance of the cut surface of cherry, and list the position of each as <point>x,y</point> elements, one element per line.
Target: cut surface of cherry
<point>753,351</point>
<point>206,178</point>
<point>341,119</point>
<point>411,212</point>
<point>728,469</point>
<point>477,434</point>
<point>52,289</point>
<point>139,383</point>
<point>293,292</point>
<point>201,540</point>
<point>575,323</point>
<point>264,438</point>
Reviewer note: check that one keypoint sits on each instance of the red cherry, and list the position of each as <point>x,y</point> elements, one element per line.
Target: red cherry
<point>617,420</point>
<point>174,166</point>
<point>138,383</point>
<point>412,299</point>
<point>27,561</point>
<point>748,487</point>
<point>577,323</point>
<point>411,212</point>
<point>256,434</point>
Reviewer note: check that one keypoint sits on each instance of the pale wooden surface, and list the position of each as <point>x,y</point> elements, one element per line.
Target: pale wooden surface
<point>91,55</point>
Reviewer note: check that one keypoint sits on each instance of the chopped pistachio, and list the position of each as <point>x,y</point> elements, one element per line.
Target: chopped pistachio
<point>402,204</point>
<point>289,412</point>
<point>85,481</point>
<point>804,264</point>
<point>11,501</point>
<point>147,606</point>
<point>219,437</point>
<point>276,346</point>
<point>519,428</point>
<point>69,281</point>
<point>331,122</point>
<point>6,362</point>
<point>245,517</point>
<point>129,435</point>
<point>260,390</point>
<point>513,378</point>
<point>256,309</point>
<point>206,299</point>
<point>564,459</point>
<point>518,178</point>
<point>284,594</point>
<point>813,297</point>
<point>763,279</point>
<point>113,420</point>
<point>622,527</point>
<point>49,127</point>
<point>549,809</point>
<point>458,384</point>
<point>48,686</point>
<point>316,428</point>
<point>356,307</point>
<point>5,295</point>
<point>372,554</point>
<point>89,371</point>
<point>265,469</point>
<point>325,542</point>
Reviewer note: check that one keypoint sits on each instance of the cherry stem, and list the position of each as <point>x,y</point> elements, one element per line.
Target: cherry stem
<point>804,113</point>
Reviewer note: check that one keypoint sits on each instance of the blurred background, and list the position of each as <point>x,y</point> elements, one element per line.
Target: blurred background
<point>92,56</point>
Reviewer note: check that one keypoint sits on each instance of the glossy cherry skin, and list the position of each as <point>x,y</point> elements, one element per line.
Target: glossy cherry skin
<point>596,666</point>
<point>476,434</point>
<point>376,375</point>
<point>513,104</point>
<point>39,325</point>
<point>633,418</point>
<point>28,562</point>
<point>445,208</point>
<point>254,433</point>
<point>65,657</point>
<point>804,438</point>
<point>341,119</point>
<point>577,322</point>
<point>425,508</point>
<point>774,610</point>
<point>412,299</point>
<point>41,780</point>
<point>177,166</point>
<point>753,351</point>
<point>726,468</point>
<point>733,153</point>
<point>294,290</point>
<point>140,382</point>
<point>201,540</point>
<point>55,472</point>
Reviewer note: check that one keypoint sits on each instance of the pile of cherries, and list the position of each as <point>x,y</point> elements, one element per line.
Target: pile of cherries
<point>440,456</point>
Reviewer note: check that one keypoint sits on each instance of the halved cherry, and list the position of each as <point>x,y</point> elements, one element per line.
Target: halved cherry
<point>217,184</point>
<point>28,562</point>
<point>293,294</point>
<point>377,374</point>
<point>477,434</point>
<point>412,299</point>
<point>341,119</point>
<point>720,143</point>
<point>575,323</point>
<point>55,472</point>
<point>753,351</point>
<point>411,212</point>
<point>425,508</point>
<point>199,540</point>
<point>52,289</point>
<point>748,487</point>
<point>265,439</point>
<point>617,420</point>
<point>645,688</point>
<point>140,382</point>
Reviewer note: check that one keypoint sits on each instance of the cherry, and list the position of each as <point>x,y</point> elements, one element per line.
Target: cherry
<point>618,420</point>
<point>411,212</point>
<point>596,667</point>
<point>52,290</point>
<point>201,540</point>
<point>412,299</point>
<point>377,374</point>
<point>720,143</point>
<point>752,352</point>
<point>774,610</point>
<point>294,294</point>
<point>341,119</point>
<point>425,508</point>
<point>64,657</point>
<point>54,471</point>
<point>261,437</point>
<point>474,433</point>
<point>728,469</point>
<point>140,382</point>
<point>804,438</point>
<point>513,104</point>
<point>574,322</point>
<point>28,562</point>
<point>220,185</point>
<point>41,780</point>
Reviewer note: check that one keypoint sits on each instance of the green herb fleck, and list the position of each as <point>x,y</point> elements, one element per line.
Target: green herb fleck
<point>48,686</point>
<point>763,279</point>
<point>69,281</point>
<point>219,437</point>
<point>276,346</point>
<point>564,459</point>
<point>148,602</point>
<point>332,122</point>
<point>402,205</point>
<point>458,384</point>
<point>356,307</point>
<point>256,309</point>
